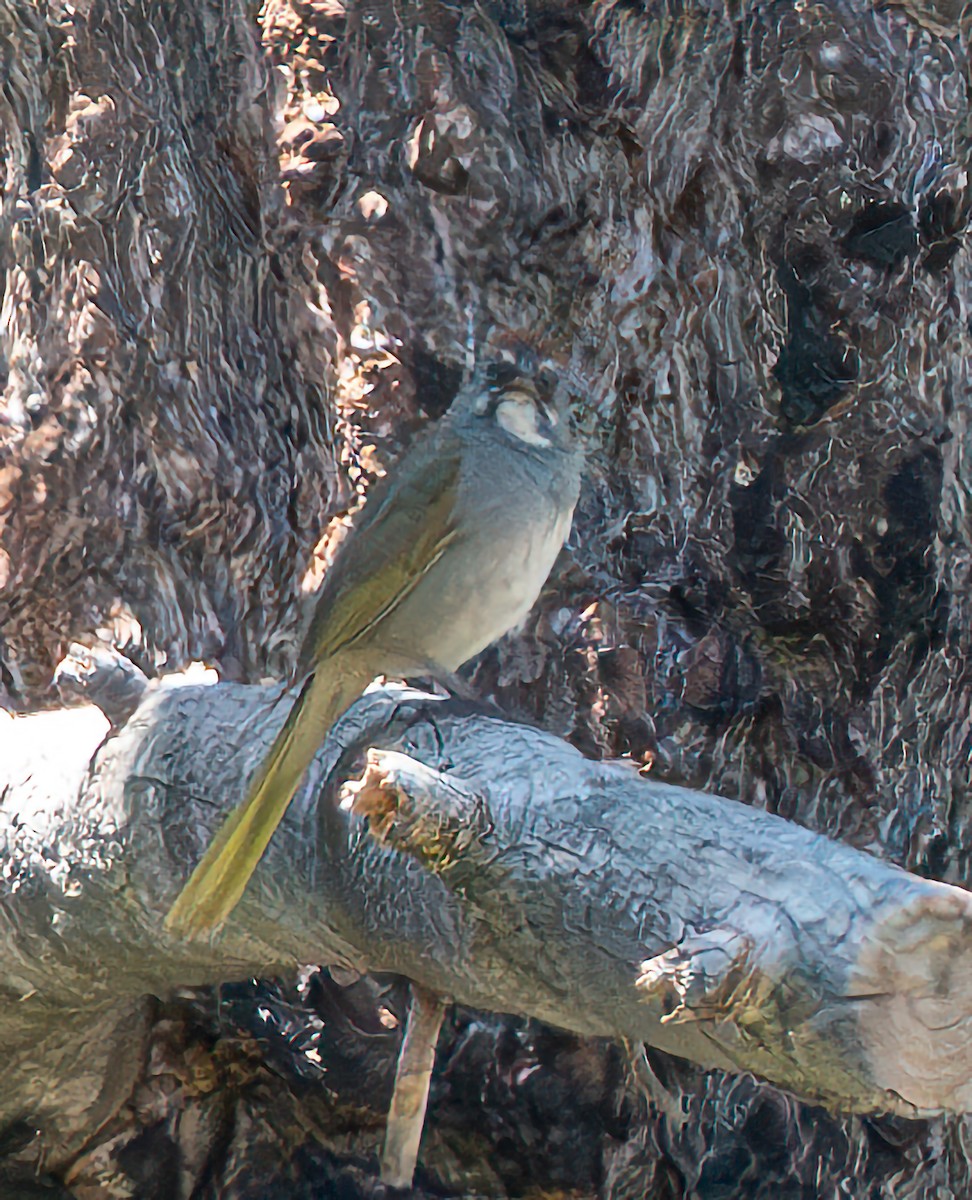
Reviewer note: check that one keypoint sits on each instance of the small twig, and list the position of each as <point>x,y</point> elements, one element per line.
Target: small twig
<point>406,1115</point>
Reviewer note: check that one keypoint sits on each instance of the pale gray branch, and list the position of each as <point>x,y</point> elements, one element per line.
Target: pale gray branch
<point>509,873</point>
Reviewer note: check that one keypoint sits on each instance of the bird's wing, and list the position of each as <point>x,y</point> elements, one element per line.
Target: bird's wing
<point>404,528</point>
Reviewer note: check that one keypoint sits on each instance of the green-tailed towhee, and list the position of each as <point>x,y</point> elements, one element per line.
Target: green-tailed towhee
<point>449,552</point>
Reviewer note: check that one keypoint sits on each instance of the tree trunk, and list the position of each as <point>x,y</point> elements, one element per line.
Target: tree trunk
<point>246,254</point>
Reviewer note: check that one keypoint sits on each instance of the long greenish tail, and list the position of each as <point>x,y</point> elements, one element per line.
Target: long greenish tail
<point>220,878</point>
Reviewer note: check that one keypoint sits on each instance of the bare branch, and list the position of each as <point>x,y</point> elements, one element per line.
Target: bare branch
<point>507,872</point>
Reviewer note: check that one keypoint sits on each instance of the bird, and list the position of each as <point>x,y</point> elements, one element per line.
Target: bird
<point>449,553</point>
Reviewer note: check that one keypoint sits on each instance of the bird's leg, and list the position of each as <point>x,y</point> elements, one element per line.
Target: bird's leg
<point>406,1114</point>
<point>461,689</point>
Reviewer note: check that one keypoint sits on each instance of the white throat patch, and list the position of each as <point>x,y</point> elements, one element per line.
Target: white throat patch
<point>519,417</point>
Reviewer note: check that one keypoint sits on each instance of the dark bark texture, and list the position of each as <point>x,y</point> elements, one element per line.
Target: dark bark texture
<point>245,253</point>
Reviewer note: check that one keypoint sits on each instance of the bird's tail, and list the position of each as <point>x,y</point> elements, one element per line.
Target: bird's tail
<point>221,876</point>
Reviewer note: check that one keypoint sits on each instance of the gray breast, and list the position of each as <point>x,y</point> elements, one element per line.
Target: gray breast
<point>513,513</point>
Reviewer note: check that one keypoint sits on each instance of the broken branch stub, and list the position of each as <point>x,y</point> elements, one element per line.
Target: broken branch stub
<point>420,811</point>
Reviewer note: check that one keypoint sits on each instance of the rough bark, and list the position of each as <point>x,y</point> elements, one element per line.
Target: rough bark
<point>242,250</point>
<point>164,396</point>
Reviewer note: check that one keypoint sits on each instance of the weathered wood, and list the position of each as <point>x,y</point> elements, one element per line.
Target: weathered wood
<point>548,885</point>
<point>791,956</point>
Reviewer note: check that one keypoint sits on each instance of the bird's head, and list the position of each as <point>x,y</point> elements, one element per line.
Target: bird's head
<point>522,403</point>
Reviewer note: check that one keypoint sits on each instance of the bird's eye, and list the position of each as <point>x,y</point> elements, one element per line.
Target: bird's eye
<point>500,375</point>
<point>546,380</point>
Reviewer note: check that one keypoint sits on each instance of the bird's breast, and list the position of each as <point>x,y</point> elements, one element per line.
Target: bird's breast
<point>483,585</point>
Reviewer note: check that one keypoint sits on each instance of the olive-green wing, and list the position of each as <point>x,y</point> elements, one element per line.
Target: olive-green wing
<point>404,528</point>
